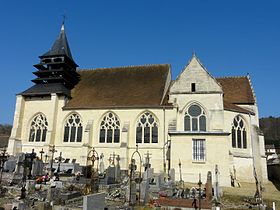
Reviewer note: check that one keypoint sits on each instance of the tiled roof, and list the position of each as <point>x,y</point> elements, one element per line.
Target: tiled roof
<point>132,86</point>
<point>237,90</point>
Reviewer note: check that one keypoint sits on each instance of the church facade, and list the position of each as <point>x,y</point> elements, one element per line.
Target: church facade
<point>198,121</point>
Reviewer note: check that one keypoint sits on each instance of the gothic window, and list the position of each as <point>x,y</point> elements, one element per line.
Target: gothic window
<point>147,129</point>
<point>110,129</point>
<point>195,119</point>
<point>73,129</point>
<point>38,129</point>
<point>238,133</point>
<point>198,149</point>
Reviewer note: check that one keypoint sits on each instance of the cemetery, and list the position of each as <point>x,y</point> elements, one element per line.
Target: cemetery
<point>51,181</point>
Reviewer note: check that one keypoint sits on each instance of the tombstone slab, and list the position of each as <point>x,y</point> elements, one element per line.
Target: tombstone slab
<point>94,201</point>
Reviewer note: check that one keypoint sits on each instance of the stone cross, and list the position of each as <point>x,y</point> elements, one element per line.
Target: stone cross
<point>46,157</point>
<point>112,159</point>
<point>3,158</point>
<point>147,161</point>
<point>52,151</point>
<point>42,152</point>
<point>59,160</point>
<point>101,164</point>
<point>31,156</point>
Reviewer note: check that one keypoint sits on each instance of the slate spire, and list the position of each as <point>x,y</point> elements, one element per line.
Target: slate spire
<point>56,72</point>
<point>60,46</point>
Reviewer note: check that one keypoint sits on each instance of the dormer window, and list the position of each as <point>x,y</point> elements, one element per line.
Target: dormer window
<point>193,87</point>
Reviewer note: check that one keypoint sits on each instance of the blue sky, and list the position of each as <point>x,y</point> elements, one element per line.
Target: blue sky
<point>231,38</point>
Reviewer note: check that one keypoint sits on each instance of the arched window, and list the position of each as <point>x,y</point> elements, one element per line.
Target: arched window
<point>110,129</point>
<point>38,129</point>
<point>147,129</point>
<point>238,133</point>
<point>195,119</point>
<point>73,129</point>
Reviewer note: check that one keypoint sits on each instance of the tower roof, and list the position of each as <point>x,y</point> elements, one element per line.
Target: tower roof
<point>60,46</point>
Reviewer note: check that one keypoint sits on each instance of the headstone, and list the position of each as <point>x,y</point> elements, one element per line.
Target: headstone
<point>19,170</point>
<point>19,205</point>
<point>94,201</point>
<point>144,193</point>
<point>37,168</point>
<point>118,170</point>
<point>101,164</point>
<point>217,188</point>
<point>208,186</point>
<point>111,175</point>
<point>10,164</point>
<point>172,174</point>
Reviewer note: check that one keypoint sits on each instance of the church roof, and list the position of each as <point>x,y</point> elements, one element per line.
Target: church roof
<point>60,46</point>
<point>132,86</point>
<point>237,90</point>
<point>46,89</point>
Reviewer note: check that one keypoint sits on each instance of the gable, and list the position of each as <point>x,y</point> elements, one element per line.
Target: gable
<point>194,73</point>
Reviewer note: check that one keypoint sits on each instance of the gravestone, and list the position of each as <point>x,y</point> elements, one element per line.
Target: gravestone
<point>10,164</point>
<point>144,192</point>
<point>172,174</point>
<point>208,186</point>
<point>37,168</point>
<point>94,201</point>
<point>19,170</point>
<point>101,164</point>
<point>118,170</point>
<point>110,175</point>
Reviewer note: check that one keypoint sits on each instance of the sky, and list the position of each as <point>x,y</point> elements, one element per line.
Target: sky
<point>231,38</point>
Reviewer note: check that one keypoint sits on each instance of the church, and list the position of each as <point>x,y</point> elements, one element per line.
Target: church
<point>197,121</point>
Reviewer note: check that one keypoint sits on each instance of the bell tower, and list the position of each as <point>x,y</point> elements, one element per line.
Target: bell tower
<point>56,72</point>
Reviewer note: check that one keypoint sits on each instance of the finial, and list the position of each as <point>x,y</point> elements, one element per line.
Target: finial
<point>193,53</point>
<point>63,22</point>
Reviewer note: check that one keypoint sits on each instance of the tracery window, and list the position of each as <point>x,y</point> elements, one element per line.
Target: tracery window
<point>147,129</point>
<point>110,129</point>
<point>73,129</point>
<point>238,133</point>
<point>38,129</point>
<point>195,119</point>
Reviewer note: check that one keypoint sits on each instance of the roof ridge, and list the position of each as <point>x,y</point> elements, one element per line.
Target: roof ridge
<point>123,67</point>
<point>225,77</point>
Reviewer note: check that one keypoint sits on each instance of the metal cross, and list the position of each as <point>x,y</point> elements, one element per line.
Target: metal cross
<point>59,160</point>
<point>42,152</point>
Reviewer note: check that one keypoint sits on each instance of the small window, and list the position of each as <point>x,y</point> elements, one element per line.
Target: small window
<point>198,151</point>
<point>193,87</point>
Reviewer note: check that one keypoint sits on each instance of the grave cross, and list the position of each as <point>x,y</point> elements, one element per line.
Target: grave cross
<point>31,156</point>
<point>52,150</point>
<point>3,158</point>
<point>112,159</point>
<point>180,170</point>
<point>42,152</point>
<point>59,160</point>
<point>46,157</point>
<point>147,160</point>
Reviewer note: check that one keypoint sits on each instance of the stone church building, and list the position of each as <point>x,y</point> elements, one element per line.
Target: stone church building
<point>196,119</point>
